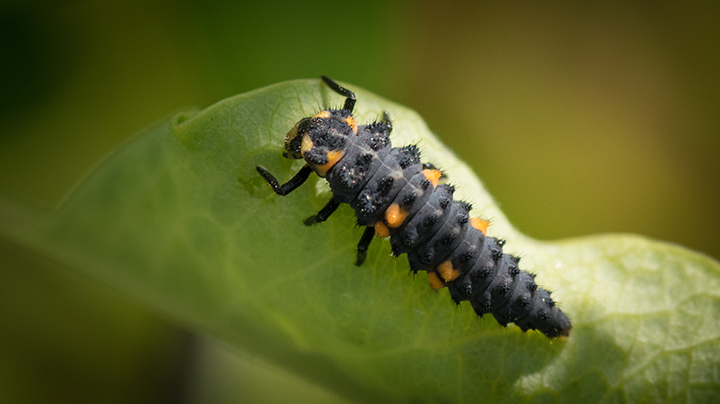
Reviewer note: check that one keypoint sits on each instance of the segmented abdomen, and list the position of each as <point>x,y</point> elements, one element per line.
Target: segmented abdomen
<point>390,190</point>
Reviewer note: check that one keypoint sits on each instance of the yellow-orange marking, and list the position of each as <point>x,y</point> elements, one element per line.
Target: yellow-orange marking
<point>447,272</point>
<point>381,230</point>
<point>395,215</point>
<point>292,133</point>
<point>353,125</point>
<point>323,114</point>
<point>306,145</point>
<point>432,175</point>
<point>479,224</point>
<point>435,282</point>
<point>333,157</point>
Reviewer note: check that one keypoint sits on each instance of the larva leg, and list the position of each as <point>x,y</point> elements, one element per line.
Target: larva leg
<point>363,245</point>
<point>350,96</point>
<point>324,213</point>
<point>289,186</point>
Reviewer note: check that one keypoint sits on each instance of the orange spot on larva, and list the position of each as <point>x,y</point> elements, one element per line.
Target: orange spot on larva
<point>353,125</point>
<point>435,282</point>
<point>333,157</point>
<point>395,215</point>
<point>432,175</point>
<point>479,224</point>
<point>381,230</point>
<point>447,272</point>
<point>323,114</point>
<point>307,144</point>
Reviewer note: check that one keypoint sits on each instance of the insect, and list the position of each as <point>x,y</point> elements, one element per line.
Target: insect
<point>395,195</point>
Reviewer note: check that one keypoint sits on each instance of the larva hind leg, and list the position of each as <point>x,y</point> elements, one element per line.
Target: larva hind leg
<point>324,213</point>
<point>363,245</point>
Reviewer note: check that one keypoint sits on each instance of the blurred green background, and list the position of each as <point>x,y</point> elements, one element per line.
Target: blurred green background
<point>580,118</point>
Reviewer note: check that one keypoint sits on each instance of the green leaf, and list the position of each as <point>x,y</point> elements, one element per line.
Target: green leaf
<point>179,219</point>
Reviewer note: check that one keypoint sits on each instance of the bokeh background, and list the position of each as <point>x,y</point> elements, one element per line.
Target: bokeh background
<point>580,117</point>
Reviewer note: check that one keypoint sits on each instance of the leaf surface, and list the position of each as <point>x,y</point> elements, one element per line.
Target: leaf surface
<point>179,219</point>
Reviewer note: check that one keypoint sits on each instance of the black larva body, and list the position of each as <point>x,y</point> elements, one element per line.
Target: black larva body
<point>397,196</point>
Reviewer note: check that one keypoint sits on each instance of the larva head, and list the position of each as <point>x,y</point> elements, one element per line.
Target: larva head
<point>321,139</point>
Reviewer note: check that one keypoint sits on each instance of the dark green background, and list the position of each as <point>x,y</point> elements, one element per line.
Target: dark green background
<point>580,118</point>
